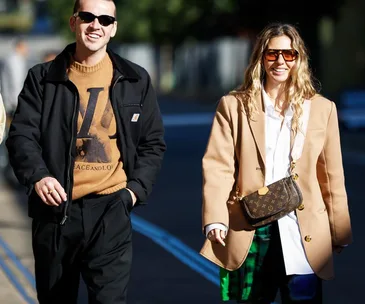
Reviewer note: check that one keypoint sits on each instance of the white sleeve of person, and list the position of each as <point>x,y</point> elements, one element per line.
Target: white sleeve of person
<point>210,227</point>
<point>2,119</point>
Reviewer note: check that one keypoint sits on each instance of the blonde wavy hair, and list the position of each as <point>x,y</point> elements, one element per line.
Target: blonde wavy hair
<point>300,84</point>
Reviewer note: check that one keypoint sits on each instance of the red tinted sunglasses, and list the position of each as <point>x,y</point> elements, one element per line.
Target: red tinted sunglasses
<point>104,20</point>
<point>288,55</point>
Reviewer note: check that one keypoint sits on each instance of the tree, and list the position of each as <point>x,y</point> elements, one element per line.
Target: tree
<point>157,21</point>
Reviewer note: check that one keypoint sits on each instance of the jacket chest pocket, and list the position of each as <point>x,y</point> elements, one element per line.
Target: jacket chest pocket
<point>132,114</point>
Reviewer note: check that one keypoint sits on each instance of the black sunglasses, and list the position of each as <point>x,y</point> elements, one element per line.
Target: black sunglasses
<point>104,20</point>
<point>288,55</point>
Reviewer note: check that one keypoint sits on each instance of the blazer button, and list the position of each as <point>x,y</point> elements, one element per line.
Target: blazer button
<point>307,238</point>
<point>301,207</point>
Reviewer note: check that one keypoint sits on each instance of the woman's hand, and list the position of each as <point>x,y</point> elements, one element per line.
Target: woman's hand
<point>217,235</point>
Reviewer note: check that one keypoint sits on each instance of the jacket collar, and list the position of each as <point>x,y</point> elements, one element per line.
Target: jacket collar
<point>58,70</point>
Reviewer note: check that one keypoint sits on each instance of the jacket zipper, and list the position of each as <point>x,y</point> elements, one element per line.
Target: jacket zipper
<point>115,83</point>
<point>69,193</point>
<point>118,118</point>
<point>112,92</point>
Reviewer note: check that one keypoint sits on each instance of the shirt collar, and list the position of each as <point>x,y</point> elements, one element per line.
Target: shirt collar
<point>269,107</point>
<point>267,102</point>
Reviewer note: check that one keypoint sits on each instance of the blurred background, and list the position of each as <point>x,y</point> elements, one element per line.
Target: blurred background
<point>195,52</point>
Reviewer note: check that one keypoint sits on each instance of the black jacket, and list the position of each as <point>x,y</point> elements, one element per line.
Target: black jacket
<point>42,135</point>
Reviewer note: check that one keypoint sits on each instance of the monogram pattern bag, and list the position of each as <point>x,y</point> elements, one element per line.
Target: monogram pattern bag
<point>278,199</point>
<point>272,202</point>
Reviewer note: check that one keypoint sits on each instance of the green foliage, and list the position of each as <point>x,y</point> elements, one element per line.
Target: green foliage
<point>159,21</point>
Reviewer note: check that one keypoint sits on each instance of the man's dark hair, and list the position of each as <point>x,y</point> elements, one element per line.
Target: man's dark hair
<point>77,6</point>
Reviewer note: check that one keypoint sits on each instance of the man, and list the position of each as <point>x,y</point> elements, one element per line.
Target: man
<point>13,74</point>
<point>87,142</point>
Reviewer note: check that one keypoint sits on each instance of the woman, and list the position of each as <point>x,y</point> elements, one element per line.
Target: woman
<point>249,147</point>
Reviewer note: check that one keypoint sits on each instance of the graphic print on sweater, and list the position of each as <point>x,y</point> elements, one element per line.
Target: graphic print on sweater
<point>96,131</point>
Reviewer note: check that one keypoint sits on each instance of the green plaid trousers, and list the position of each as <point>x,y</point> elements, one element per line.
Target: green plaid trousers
<point>237,284</point>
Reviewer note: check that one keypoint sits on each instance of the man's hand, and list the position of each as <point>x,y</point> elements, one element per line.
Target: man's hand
<point>134,198</point>
<point>50,191</point>
<point>217,236</point>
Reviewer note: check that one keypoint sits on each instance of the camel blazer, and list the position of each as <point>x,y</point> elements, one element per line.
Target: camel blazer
<point>235,157</point>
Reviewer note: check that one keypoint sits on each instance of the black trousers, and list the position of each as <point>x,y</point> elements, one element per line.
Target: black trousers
<point>96,242</point>
<point>294,289</point>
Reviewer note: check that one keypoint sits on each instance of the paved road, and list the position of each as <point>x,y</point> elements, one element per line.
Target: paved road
<point>160,277</point>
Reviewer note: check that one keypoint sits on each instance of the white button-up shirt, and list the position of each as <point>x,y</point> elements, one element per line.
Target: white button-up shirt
<point>277,142</point>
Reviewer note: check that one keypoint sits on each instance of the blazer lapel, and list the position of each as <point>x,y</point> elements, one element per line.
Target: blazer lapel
<point>257,125</point>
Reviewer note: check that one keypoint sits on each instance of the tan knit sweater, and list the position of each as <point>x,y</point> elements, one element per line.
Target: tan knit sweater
<point>98,165</point>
